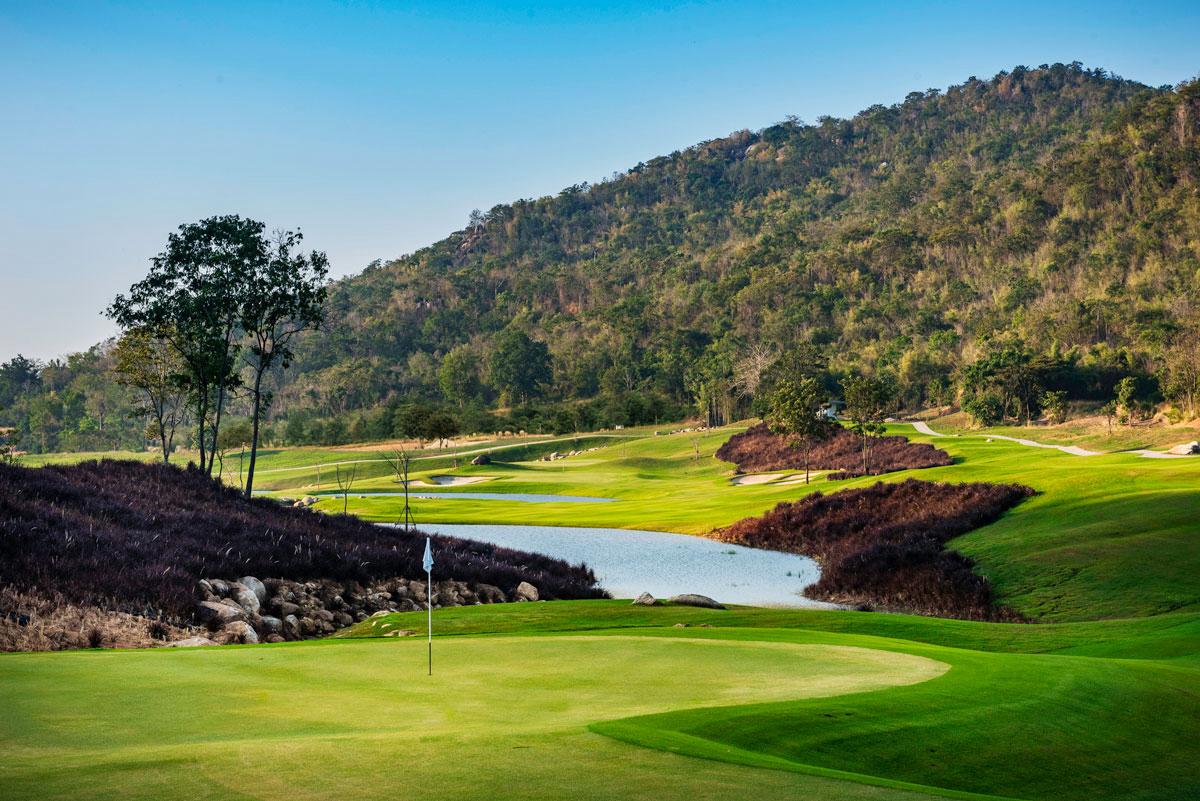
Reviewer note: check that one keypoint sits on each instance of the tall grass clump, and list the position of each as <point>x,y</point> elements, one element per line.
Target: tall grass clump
<point>758,449</point>
<point>883,545</point>
<point>138,537</point>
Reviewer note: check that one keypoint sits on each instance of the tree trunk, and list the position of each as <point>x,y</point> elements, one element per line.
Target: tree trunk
<point>254,433</point>
<point>216,428</point>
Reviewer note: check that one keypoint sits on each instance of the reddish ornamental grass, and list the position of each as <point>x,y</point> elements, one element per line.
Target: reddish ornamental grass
<point>758,449</point>
<point>136,537</point>
<point>882,545</point>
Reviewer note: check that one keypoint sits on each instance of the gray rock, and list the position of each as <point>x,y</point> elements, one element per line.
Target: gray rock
<point>489,594</point>
<point>285,608</point>
<point>239,631</point>
<point>274,638</point>
<point>206,590</point>
<point>255,586</point>
<point>272,624</point>
<point>190,642</point>
<point>646,599</point>
<point>482,458</point>
<point>679,626</point>
<point>220,611</point>
<point>245,597</point>
<point>691,599</point>
<point>291,626</point>
<point>526,592</point>
<point>220,588</point>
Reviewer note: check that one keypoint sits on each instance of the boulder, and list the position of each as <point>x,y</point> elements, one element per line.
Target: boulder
<point>272,625</point>
<point>239,631</point>
<point>482,458</point>
<point>221,611</point>
<point>526,592</point>
<point>489,594</point>
<point>219,588</point>
<point>646,599</point>
<point>679,626</point>
<point>255,586</point>
<point>274,638</point>
<point>285,608</point>
<point>206,590</point>
<point>691,599</point>
<point>291,626</point>
<point>190,642</point>
<point>245,598</point>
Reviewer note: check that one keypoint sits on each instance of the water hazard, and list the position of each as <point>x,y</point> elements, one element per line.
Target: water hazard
<point>629,562</point>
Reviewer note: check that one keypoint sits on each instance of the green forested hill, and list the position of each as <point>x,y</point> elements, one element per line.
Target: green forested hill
<point>1043,222</point>
<point>1055,208</point>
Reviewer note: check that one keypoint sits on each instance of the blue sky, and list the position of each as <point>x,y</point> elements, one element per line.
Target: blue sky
<point>377,127</point>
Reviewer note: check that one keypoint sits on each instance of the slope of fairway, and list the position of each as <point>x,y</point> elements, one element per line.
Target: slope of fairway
<point>1107,536</point>
<point>500,717</point>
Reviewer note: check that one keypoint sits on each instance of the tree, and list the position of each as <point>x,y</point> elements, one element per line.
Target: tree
<point>867,402</point>
<point>192,296</point>
<point>520,367</point>
<point>1054,403</point>
<point>410,421</point>
<point>441,426</point>
<point>285,295</point>
<point>985,409</point>
<point>1126,403</point>
<point>458,375</point>
<point>149,364</point>
<point>1180,376</point>
<point>796,416</point>
<point>1109,411</point>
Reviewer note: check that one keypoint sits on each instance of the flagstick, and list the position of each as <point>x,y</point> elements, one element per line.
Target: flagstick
<point>430,605</point>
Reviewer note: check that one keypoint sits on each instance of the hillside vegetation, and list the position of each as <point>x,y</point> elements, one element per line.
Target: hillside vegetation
<point>1027,233</point>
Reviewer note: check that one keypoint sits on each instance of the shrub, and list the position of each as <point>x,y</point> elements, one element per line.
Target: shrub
<point>985,410</point>
<point>758,449</point>
<point>138,537</point>
<point>883,544</point>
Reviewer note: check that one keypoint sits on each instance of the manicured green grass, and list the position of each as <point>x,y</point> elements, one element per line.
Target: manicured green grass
<point>1108,536</point>
<point>500,718</point>
<point>517,706</point>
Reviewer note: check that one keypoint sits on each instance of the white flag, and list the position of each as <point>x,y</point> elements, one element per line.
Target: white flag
<point>427,562</point>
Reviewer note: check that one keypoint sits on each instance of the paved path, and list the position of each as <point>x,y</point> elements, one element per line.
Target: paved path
<point>1073,450</point>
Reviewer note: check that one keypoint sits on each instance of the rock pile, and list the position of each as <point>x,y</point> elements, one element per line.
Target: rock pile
<point>273,610</point>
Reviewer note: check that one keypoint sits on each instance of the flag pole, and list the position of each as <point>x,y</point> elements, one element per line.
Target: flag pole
<point>427,563</point>
<point>429,575</point>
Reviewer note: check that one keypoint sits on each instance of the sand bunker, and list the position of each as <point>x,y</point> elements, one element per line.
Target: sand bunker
<point>758,478</point>
<point>449,481</point>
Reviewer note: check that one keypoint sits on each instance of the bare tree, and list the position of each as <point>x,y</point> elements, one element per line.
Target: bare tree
<point>345,482</point>
<point>749,369</point>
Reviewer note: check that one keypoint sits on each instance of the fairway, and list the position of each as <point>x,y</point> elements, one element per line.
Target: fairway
<point>362,719</point>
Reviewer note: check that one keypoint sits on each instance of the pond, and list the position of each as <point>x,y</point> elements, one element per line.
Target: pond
<point>629,562</point>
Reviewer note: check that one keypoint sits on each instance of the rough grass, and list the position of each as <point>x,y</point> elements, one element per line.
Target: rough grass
<point>883,545</point>
<point>137,537</point>
<point>758,450</point>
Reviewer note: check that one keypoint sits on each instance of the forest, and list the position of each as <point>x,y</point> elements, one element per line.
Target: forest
<point>1025,246</point>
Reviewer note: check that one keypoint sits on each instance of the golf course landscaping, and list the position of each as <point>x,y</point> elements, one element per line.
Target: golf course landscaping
<point>600,699</point>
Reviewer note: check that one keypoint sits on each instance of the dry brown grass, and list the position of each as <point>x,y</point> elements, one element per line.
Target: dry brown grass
<point>32,623</point>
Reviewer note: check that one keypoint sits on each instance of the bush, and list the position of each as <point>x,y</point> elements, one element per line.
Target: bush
<point>138,537</point>
<point>985,410</point>
<point>883,544</point>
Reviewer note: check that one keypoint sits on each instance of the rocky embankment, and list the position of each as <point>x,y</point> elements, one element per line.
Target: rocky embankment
<point>250,610</point>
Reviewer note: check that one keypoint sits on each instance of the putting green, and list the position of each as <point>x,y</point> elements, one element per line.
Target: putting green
<point>502,717</point>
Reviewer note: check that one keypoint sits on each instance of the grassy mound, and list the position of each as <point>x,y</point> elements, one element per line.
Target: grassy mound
<point>758,449</point>
<point>883,544</point>
<point>134,536</point>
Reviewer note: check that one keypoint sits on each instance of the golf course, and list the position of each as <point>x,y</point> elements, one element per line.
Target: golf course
<point>601,699</point>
